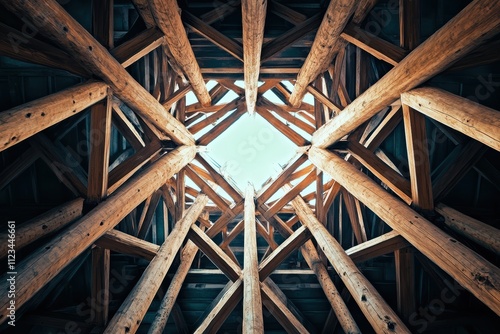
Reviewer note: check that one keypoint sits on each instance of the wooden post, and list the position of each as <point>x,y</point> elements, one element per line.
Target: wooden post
<point>472,271</point>
<point>100,285</point>
<point>45,263</point>
<point>253,19</point>
<point>132,311</point>
<point>53,21</point>
<point>380,315</point>
<point>474,24</point>
<point>470,118</point>
<point>24,121</point>
<point>253,321</point>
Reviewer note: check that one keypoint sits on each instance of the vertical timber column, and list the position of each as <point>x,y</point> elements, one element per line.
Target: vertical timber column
<point>100,141</point>
<point>253,321</point>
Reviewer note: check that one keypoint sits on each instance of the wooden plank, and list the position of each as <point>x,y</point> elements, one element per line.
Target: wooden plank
<point>287,116</point>
<point>130,314</point>
<point>49,17</point>
<point>215,253</point>
<point>134,49</point>
<point>322,50</point>
<point>391,178</point>
<point>207,189</point>
<point>26,120</point>
<point>225,43</point>
<point>470,118</point>
<point>167,17</point>
<point>100,142</point>
<point>123,243</point>
<point>43,225</point>
<point>383,244</point>
<point>294,241</point>
<point>222,309</point>
<point>418,159</point>
<point>253,321</point>
<point>102,22</point>
<point>378,313</point>
<point>126,128</point>
<point>319,96</point>
<point>144,225</point>
<point>484,234</point>
<point>253,20</point>
<point>374,45</point>
<point>357,223</point>
<point>43,264</point>
<point>473,25</point>
<point>220,112</point>
<point>451,256</point>
<point>180,194</point>
<point>18,166</point>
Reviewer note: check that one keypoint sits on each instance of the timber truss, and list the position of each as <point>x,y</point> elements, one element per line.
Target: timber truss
<point>346,136</point>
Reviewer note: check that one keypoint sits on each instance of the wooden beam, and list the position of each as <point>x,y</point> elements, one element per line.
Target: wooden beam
<point>473,25</point>
<point>374,45</point>
<point>225,43</point>
<point>322,51</point>
<point>293,136</point>
<point>405,281</point>
<point>134,49</point>
<point>253,321</point>
<point>384,244</point>
<point>100,142</point>
<point>223,125</point>
<point>168,18</point>
<point>26,120</point>
<point>214,253</point>
<point>409,24</point>
<point>473,272</point>
<point>222,309</point>
<point>253,20</point>
<point>100,284</point>
<point>43,225</point>
<point>220,12</point>
<point>124,243</point>
<point>470,118</point>
<point>280,311</point>
<point>56,23</point>
<point>43,264</point>
<point>25,47</point>
<point>418,159</point>
<point>130,314</point>
<point>378,313</point>
<point>484,234</point>
<point>294,241</point>
<point>187,257</point>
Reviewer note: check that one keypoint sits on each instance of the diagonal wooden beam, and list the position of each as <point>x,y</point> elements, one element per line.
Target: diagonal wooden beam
<point>56,23</point>
<point>380,315</point>
<point>130,314</point>
<point>167,16</point>
<point>28,119</point>
<point>293,136</point>
<point>470,118</point>
<point>124,243</point>
<point>253,20</point>
<point>472,271</point>
<point>42,265</point>
<point>386,243</point>
<point>253,321</point>
<point>322,50</point>
<point>473,25</point>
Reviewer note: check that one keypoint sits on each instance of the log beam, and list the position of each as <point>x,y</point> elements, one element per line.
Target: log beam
<point>130,314</point>
<point>472,271</point>
<point>474,24</point>
<point>253,321</point>
<point>57,24</point>
<point>168,18</point>
<point>124,243</point>
<point>322,50</point>
<point>253,19</point>
<point>470,118</point>
<point>26,120</point>
<point>45,263</point>
<point>380,315</point>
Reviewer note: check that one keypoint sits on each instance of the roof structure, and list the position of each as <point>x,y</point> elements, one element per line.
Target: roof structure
<point>116,218</point>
